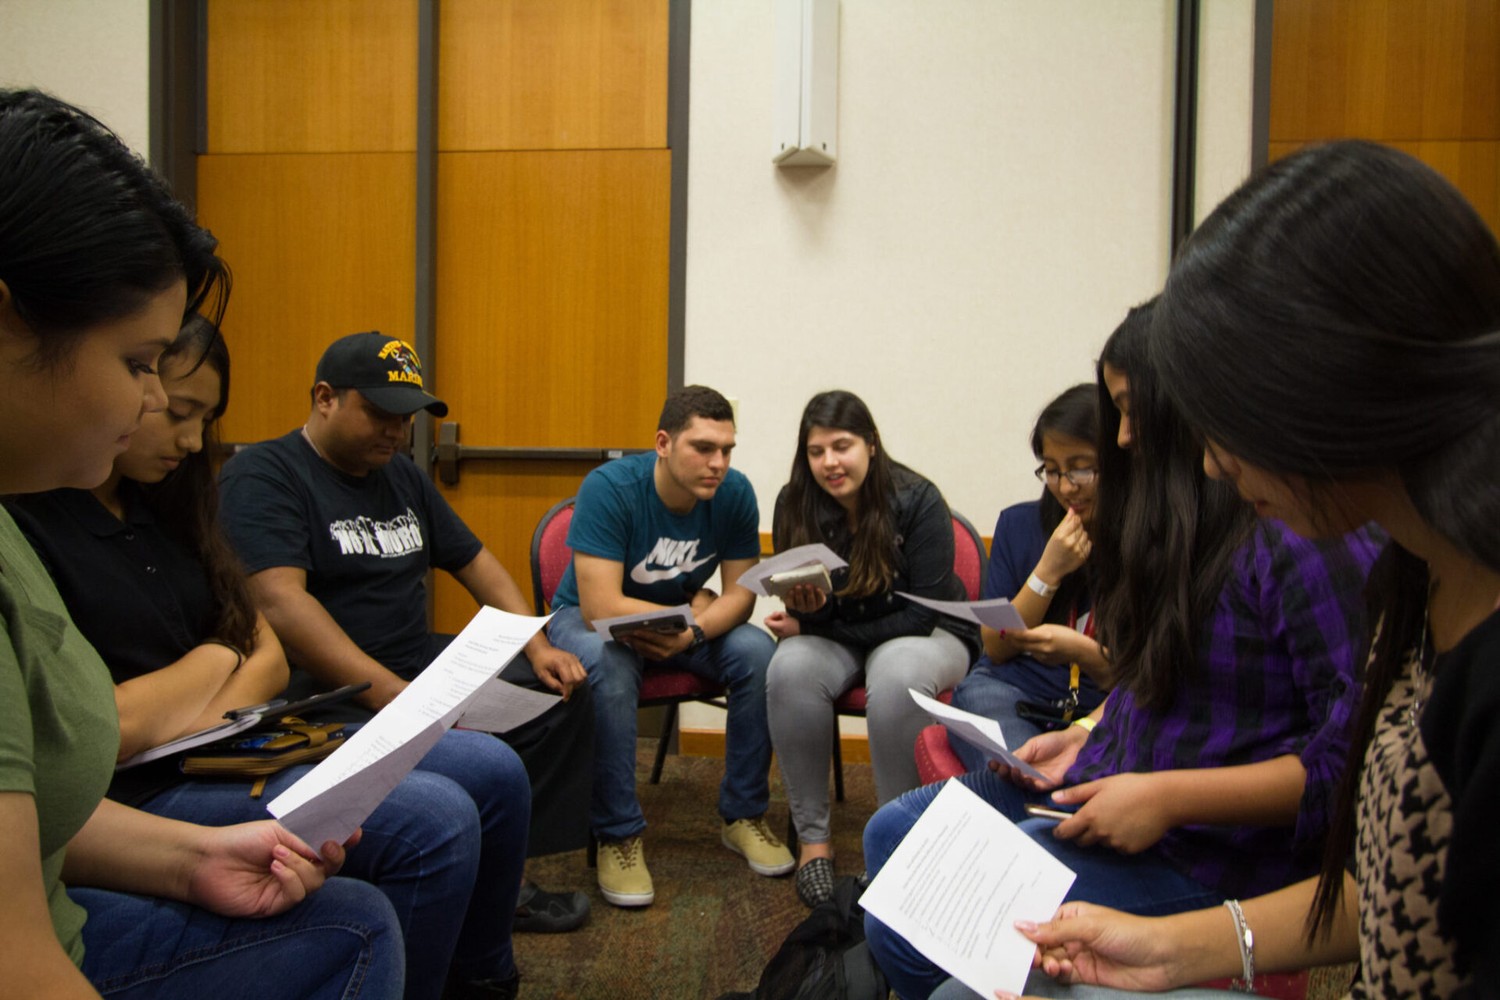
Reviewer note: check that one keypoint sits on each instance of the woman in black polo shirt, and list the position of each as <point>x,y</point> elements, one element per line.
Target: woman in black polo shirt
<point>151,583</point>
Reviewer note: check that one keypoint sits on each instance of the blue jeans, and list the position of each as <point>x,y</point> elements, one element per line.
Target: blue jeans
<point>737,659</point>
<point>1143,883</point>
<point>340,943</point>
<point>983,692</point>
<point>446,847</point>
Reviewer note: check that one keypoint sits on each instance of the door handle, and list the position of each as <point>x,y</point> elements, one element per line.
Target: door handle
<point>449,453</point>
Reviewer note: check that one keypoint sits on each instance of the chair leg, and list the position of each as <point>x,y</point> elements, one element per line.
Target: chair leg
<point>669,723</point>
<point>593,850</point>
<point>791,833</point>
<point>838,763</point>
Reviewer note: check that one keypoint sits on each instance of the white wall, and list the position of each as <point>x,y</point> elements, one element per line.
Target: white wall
<point>92,53</point>
<point>1002,196</point>
<point>1226,71</point>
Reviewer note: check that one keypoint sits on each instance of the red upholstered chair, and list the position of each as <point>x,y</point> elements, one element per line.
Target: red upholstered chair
<point>935,757</point>
<point>970,562</point>
<point>660,685</point>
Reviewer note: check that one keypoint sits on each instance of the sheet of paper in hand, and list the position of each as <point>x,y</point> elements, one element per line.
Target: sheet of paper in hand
<point>976,729</point>
<point>957,884</point>
<point>997,612</point>
<point>333,799</point>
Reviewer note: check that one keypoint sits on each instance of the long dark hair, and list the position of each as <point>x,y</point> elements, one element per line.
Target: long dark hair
<point>1338,314</point>
<point>186,502</point>
<point>88,233</point>
<point>808,514</point>
<point>1073,414</point>
<point>1164,534</point>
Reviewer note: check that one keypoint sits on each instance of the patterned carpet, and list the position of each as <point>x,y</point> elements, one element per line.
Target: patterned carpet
<point>714,924</point>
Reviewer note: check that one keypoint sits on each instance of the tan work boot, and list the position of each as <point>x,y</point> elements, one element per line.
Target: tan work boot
<point>764,851</point>
<point>623,878</point>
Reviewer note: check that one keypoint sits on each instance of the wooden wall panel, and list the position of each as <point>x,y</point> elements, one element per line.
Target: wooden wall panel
<point>1385,69</point>
<point>325,76</point>
<point>502,502</point>
<point>552,296</point>
<point>308,267</point>
<point>556,74</point>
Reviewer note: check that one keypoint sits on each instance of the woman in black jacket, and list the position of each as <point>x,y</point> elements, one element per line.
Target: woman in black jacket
<point>895,531</point>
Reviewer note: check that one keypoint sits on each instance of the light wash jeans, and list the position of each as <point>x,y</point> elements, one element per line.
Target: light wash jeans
<point>737,659</point>
<point>446,848</point>
<point>340,943</point>
<point>1144,883</point>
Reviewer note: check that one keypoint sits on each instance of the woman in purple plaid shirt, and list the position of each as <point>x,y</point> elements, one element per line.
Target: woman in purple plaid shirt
<point>1333,332</point>
<point>1210,770</point>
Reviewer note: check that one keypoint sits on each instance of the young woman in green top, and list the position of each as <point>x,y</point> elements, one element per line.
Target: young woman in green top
<point>98,268</point>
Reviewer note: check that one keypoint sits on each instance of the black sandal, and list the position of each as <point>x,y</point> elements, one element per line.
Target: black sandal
<point>815,881</point>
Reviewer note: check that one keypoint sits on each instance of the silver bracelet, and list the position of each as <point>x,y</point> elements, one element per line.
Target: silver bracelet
<point>1246,938</point>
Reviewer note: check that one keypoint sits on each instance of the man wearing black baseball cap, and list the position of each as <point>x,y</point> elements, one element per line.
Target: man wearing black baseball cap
<point>338,529</point>
<point>386,371</point>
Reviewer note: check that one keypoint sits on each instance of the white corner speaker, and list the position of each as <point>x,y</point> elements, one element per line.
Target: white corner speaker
<point>807,83</point>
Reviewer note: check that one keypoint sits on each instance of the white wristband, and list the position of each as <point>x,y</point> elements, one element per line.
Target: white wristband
<point>1040,587</point>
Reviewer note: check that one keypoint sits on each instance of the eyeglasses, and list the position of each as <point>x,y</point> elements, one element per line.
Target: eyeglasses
<point>1078,477</point>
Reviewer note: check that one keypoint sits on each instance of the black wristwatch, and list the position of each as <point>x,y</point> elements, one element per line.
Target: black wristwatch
<point>698,637</point>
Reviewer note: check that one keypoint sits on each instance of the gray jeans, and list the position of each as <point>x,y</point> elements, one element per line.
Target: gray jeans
<point>809,672</point>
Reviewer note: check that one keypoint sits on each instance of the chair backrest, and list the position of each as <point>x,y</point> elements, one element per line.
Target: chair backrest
<point>969,559</point>
<point>550,555</point>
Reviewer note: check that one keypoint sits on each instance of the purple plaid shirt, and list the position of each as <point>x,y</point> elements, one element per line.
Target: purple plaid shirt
<point>1277,676</point>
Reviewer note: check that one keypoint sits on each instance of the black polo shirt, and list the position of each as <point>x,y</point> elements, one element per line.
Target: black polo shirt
<point>139,596</point>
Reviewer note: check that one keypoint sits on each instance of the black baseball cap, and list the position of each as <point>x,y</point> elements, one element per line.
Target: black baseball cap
<point>385,370</point>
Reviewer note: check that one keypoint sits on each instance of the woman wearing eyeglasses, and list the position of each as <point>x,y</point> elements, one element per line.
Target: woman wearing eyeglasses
<point>1053,672</point>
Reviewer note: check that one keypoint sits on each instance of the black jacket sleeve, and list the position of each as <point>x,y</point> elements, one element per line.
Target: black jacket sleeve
<point>924,568</point>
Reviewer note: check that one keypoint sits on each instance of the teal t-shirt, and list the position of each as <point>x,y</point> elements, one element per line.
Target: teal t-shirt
<point>666,556</point>
<point>59,732</point>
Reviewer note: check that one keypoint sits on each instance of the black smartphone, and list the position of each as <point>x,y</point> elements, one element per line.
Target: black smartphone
<point>666,624</point>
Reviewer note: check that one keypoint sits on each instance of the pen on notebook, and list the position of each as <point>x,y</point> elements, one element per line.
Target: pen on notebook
<point>261,709</point>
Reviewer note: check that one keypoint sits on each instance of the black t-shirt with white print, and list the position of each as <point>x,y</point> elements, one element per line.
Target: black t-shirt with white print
<point>366,542</point>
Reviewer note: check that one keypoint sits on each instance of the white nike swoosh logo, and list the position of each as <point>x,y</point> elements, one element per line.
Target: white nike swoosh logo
<point>640,574</point>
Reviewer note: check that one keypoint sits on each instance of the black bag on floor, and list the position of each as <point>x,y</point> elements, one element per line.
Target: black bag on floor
<point>824,957</point>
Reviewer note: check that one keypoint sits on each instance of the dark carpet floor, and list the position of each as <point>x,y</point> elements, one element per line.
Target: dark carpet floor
<point>714,924</point>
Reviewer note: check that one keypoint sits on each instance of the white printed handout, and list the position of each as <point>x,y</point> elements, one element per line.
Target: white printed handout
<point>755,578</point>
<point>957,884</point>
<point>334,798</point>
<point>500,706</point>
<point>976,729</point>
<point>997,612</point>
